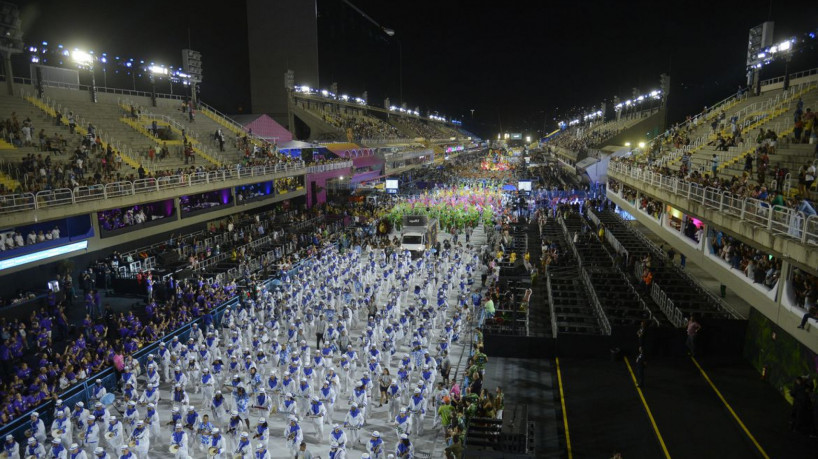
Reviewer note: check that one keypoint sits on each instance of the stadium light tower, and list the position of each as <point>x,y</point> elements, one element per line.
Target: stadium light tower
<point>155,72</point>
<point>11,39</point>
<point>85,60</point>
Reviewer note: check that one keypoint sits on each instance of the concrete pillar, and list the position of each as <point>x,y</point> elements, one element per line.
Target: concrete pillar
<point>9,73</point>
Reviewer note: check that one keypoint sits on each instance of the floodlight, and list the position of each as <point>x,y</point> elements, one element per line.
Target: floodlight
<point>82,57</point>
<point>627,144</point>
<point>157,70</point>
<point>641,144</point>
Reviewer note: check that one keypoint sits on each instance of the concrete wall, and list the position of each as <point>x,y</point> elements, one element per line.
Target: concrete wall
<point>638,132</point>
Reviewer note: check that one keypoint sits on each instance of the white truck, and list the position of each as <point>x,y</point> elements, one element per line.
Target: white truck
<point>418,233</point>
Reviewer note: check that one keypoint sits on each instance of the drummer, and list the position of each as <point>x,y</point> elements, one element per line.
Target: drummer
<point>336,452</point>
<point>11,448</point>
<point>290,406</point>
<point>114,435</point>
<point>217,444</point>
<point>79,416</point>
<point>91,433</point>
<point>141,440</point>
<point>100,453</point>
<point>317,412</point>
<point>179,395</point>
<point>338,436</point>
<point>375,446</point>
<point>152,374</point>
<point>233,427</point>
<point>152,421</point>
<point>98,390</point>
<point>101,413</point>
<point>293,435</point>
<point>131,416</point>
<point>59,406</point>
<point>219,408</point>
<point>178,443</point>
<point>327,396</point>
<point>242,450</point>
<point>354,420</point>
<point>261,451</point>
<point>37,427</point>
<point>62,428</point>
<point>34,448</point>
<point>125,452</point>
<point>57,450</point>
<point>151,394</point>
<point>206,384</point>
<point>262,431</point>
<point>74,452</point>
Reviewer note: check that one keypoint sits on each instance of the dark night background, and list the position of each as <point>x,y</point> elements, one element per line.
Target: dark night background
<point>518,64</point>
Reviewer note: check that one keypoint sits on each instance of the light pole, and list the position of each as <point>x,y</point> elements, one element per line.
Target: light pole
<point>12,39</point>
<point>86,60</point>
<point>391,33</point>
<point>155,72</point>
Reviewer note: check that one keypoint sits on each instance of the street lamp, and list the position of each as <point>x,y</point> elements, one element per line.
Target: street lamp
<point>86,60</point>
<point>389,33</point>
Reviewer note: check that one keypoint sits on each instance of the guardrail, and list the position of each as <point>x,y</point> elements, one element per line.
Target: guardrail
<point>329,167</point>
<point>673,314</point>
<point>781,221</point>
<point>64,196</point>
<point>617,246</point>
<point>103,89</point>
<point>604,323</point>
<point>792,76</point>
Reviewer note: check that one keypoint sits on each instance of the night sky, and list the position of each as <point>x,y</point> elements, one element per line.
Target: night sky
<point>518,64</point>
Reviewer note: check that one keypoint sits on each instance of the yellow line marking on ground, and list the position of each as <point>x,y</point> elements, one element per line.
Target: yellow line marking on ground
<point>730,409</point>
<point>647,409</point>
<point>564,413</point>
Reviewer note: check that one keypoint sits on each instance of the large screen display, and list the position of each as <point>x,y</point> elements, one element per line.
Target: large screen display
<point>391,184</point>
<point>524,186</point>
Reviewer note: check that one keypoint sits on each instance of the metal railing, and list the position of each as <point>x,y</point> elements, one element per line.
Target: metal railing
<point>792,76</point>
<point>604,323</point>
<point>21,202</point>
<point>780,221</point>
<point>197,144</point>
<point>329,167</point>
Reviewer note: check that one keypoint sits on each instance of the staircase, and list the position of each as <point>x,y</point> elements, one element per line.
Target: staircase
<point>206,122</point>
<point>50,107</point>
<point>179,132</point>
